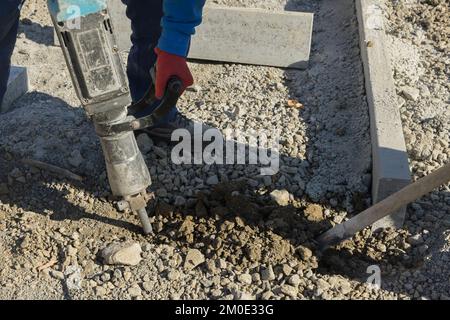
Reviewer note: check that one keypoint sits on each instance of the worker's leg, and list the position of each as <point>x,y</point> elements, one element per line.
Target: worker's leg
<point>145,19</point>
<point>9,22</point>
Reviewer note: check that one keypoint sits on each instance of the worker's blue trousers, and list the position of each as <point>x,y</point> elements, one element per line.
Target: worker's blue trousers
<point>9,21</point>
<point>145,16</point>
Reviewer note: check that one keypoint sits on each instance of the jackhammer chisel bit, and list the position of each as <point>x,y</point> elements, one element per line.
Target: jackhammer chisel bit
<point>87,38</point>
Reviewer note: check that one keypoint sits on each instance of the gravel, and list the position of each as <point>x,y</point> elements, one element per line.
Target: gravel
<point>220,234</point>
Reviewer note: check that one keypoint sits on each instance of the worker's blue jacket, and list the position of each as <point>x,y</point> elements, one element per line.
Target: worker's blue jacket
<point>178,24</point>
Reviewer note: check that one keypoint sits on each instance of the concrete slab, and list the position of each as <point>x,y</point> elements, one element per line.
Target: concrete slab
<point>17,86</point>
<point>240,35</point>
<point>254,36</point>
<point>390,160</point>
<point>121,24</point>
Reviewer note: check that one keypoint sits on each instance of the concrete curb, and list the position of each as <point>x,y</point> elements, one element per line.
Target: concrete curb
<point>17,86</point>
<point>390,159</point>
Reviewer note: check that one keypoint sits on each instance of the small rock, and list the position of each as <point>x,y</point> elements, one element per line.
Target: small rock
<point>179,201</point>
<point>213,180</point>
<point>145,143</point>
<point>281,197</point>
<point>244,296</point>
<point>267,274</point>
<point>221,263</point>
<point>245,278</point>
<point>100,291</point>
<point>173,275</point>
<point>71,251</point>
<point>74,278</point>
<point>304,252</point>
<point>256,277</point>
<point>381,247</point>
<point>105,277</point>
<point>286,269</point>
<point>267,295</point>
<point>294,280</point>
<point>160,152</point>
<point>193,258</point>
<point>117,275</point>
<point>135,291</point>
<point>127,275</point>
<point>410,93</point>
<point>289,290</point>
<point>148,286</point>
<point>57,274</point>
<point>187,227</point>
<point>128,254</point>
<point>314,213</point>
<point>415,240</point>
<point>345,287</point>
<point>253,252</point>
<point>322,285</point>
<point>76,159</point>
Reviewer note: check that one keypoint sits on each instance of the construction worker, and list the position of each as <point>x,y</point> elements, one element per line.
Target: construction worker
<point>161,33</point>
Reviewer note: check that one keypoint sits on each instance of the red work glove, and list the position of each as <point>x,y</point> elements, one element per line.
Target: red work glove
<point>167,66</point>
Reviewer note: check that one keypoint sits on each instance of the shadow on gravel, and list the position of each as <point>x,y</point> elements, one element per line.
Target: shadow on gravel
<point>37,196</point>
<point>36,32</point>
<point>38,191</point>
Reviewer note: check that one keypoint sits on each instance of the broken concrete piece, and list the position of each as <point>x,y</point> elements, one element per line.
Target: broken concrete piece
<point>193,258</point>
<point>314,212</point>
<point>241,35</point>
<point>281,197</point>
<point>128,254</point>
<point>17,87</point>
<point>410,93</point>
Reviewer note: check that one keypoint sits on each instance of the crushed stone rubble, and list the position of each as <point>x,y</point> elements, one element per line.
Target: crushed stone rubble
<point>225,231</point>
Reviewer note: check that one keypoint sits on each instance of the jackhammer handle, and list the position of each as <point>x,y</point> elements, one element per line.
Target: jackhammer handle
<point>171,95</point>
<point>174,89</point>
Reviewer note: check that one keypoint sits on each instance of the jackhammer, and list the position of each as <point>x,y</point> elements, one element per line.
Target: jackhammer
<point>86,35</point>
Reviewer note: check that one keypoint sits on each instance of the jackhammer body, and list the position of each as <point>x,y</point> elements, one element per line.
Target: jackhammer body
<point>86,36</point>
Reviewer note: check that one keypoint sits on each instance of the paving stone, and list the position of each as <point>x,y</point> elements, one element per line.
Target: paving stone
<point>228,34</point>
<point>17,86</point>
